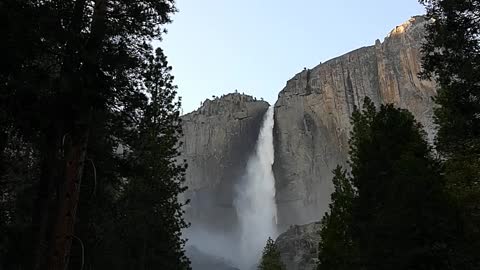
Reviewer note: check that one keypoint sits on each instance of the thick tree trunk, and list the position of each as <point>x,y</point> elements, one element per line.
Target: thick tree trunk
<point>44,202</point>
<point>69,194</point>
<point>76,150</point>
<point>45,215</point>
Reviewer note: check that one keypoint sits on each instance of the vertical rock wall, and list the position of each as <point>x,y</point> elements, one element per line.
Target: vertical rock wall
<point>218,139</point>
<point>312,115</point>
<point>312,125</point>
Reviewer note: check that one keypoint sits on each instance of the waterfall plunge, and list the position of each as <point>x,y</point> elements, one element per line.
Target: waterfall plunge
<point>255,200</point>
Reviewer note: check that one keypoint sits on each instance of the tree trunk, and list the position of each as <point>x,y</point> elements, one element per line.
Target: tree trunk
<point>42,215</point>
<point>69,194</point>
<point>75,152</point>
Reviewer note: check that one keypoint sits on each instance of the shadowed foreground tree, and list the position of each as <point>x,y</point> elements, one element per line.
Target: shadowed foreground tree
<point>400,219</point>
<point>270,257</point>
<point>336,247</point>
<point>77,93</point>
<point>144,207</point>
<point>391,213</point>
<point>151,213</point>
<point>452,59</point>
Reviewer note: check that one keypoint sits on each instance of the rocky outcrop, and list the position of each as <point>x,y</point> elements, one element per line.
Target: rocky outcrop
<point>312,115</point>
<point>218,139</point>
<point>298,246</point>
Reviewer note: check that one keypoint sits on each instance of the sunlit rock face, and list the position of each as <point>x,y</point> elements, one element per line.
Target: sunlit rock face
<point>218,139</point>
<point>312,115</point>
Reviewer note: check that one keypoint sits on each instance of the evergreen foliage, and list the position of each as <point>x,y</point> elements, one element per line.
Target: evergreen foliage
<point>271,257</point>
<point>400,218</point>
<point>452,58</point>
<point>335,249</point>
<point>85,104</point>
<point>391,213</point>
<point>414,210</point>
<point>154,181</point>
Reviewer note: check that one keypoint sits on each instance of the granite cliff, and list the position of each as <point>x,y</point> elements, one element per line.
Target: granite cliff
<point>298,246</point>
<point>312,115</point>
<point>218,139</point>
<point>311,130</point>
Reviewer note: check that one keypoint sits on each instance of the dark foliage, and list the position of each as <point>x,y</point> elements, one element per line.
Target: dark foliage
<point>271,257</point>
<point>452,58</point>
<point>336,248</point>
<point>401,219</point>
<point>85,104</point>
<point>391,213</point>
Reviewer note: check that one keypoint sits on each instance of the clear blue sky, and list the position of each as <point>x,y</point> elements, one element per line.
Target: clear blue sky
<point>255,46</point>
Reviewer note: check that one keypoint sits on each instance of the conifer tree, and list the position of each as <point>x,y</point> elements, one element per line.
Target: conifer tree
<point>392,213</point>
<point>400,218</point>
<point>452,59</point>
<point>73,90</point>
<point>151,210</point>
<point>336,245</point>
<point>271,257</point>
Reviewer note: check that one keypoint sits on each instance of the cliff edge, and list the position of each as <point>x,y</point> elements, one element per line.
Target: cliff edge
<point>312,115</point>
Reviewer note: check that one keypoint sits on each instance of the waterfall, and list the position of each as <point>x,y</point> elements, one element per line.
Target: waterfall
<point>255,198</point>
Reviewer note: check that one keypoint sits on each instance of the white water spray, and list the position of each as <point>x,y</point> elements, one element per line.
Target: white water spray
<point>255,200</point>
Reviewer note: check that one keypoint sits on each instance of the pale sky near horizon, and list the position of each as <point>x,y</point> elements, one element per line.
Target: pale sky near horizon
<point>255,46</point>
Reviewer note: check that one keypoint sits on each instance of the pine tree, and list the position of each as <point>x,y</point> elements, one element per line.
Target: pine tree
<point>271,257</point>
<point>336,246</point>
<point>72,89</point>
<point>392,213</point>
<point>156,179</point>
<point>401,219</point>
<point>452,59</point>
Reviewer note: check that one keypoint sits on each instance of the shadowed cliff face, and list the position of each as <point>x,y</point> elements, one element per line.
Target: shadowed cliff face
<point>312,115</point>
<point>298,246</point>
<point>218,140</point>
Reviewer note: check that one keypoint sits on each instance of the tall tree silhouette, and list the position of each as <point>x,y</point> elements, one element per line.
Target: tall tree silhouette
<point>452,59</point>
<point>391,212</point>
<point>74,72</point>
<point>336,247</point>
<point>400,218</point>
